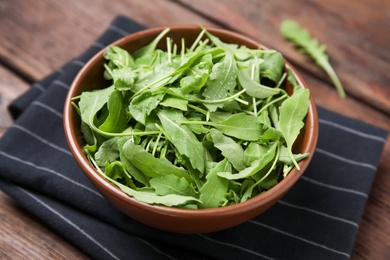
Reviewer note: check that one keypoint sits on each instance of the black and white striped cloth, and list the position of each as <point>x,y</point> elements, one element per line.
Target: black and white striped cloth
<point>317,219</point>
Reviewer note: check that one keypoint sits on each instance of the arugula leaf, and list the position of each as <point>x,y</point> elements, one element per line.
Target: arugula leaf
<point>148,164</point>
<point>254,88</point>
<point>116,120</point>
<point>141,106</point>
<point>292,113</point>
<point>272,66</point>
<point>222,80</point>
<point>242,126</point>
<point>174,102</point>
<point>91,102</point>
<point>212,193</point>
<point>128,166</point>
<point>255,166</point>
<point>285,156</point>
<point>119,57</point>
<point>182,138</point>
<point>171,184</point>
<point>253,152</point>
<point>153,198</point>
<point>108,152</point>
<point>231,150</point>
<point>293,32</point>
<point>145,54</point>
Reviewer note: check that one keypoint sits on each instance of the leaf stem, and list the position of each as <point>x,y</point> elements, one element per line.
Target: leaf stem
<point>193,46</point>
<point>333,76</point>
<point>246,195</point>
<point>272,102</point>
<point>215,101</point>
<point>156,143</point>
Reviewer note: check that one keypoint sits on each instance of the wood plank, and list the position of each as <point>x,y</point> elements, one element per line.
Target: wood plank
<point>356,36</point>
<point>63,29</point>
<point>24,237</point>
<point>10,87</point>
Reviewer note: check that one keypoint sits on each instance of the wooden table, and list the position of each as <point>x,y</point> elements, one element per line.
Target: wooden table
<point>37,37</point>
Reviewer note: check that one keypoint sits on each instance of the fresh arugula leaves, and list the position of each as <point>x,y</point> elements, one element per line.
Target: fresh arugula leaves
<point>206,126</point>
<point>300,37</point>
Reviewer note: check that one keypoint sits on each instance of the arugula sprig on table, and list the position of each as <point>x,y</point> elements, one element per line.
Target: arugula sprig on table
<point>300,37</point>
<point>207,126</point>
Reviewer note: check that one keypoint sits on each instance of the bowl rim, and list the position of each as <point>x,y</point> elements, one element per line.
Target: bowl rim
<point>263,198</point>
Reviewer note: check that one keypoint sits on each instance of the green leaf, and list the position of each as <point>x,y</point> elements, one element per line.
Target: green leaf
<point>169,200</point>
<point>91,102</point>
<point>120,57</point>
<point>255,166</point>
<point>148,164</point>
<point>212,193</point>
<point>285,158</point>
<point>171,184</point>
<point>271,134</point>
<point>222,80</point>
<point>197,75</point>
<point>229,148</point>
<point>141,106</point>
<point>253,152</point>
<point>292,112</point>
<point>145,54</point>
<point>116,120</point>
<point>272,66</point>
<point>108,152</point>
<point>242,126</point>
<point>182,138</point>
<point>116,171</point>
<point>123,78</point>
<point>174,102</point>
<point>294,33</point>
<point>255,89</point>
<point>292,80</point>
<point>128,166</point>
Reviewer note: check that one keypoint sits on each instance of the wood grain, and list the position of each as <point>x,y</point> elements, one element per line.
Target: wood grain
<point>11,87</point>
<point>64,29</point>
<point>24,237</point>
<point>37,37</point>
<point>356,37</point>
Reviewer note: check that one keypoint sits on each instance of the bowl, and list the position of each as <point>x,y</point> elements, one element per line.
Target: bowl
<point>172,219</point>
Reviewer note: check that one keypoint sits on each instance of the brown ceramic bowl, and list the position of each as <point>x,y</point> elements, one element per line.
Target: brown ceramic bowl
<point>169,218</point>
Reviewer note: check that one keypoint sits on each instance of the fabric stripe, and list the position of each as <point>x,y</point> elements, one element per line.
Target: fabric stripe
<point>48,108</point>
<point>352,131</point>
<point>63,218</point>
<point>78,62</point>
<point>156,249</point>
<point>63,176</point>
<point>61,84</point>
<point>98,45</point>
<point>118,30</point>
<point>41,139</point>
<point>318,213</point>
<point>346,160</point>
<point>299,238</point>
<point>362,194</point>
<point>38,86</point>
<point>235,246</point>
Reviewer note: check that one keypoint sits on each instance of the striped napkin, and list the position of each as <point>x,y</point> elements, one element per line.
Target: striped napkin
<point>317,219</point>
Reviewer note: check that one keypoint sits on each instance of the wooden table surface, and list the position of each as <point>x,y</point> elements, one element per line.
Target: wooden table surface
<point>36,37</point>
